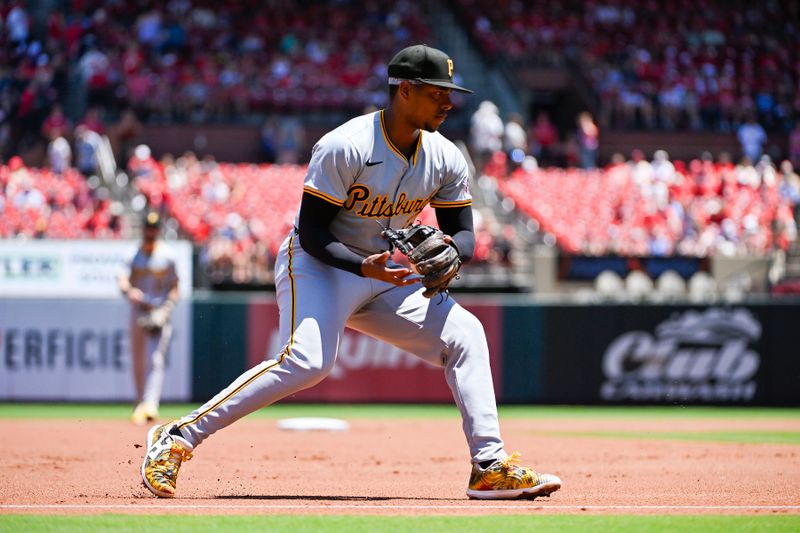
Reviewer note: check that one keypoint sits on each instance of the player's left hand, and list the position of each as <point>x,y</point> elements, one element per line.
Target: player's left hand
<point>374,266</point>
<point>156,318</point>
<point>432,254</point>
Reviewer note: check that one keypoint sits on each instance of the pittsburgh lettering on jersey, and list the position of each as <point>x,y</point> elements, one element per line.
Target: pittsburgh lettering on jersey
<point>361,202</point>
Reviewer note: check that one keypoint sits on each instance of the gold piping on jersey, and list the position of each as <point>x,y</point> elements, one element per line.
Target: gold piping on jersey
<point>394,148</point>
<point>290,272</point>
<point>457,203</point>
<point>284,353</point>
<point>328,198</point>
<point>143,271</point>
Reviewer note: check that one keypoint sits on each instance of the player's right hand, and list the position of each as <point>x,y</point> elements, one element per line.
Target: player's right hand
<point>374,266</point>
<point>136,295</point>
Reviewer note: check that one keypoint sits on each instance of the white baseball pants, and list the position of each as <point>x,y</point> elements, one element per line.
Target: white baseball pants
<point>316,302</point>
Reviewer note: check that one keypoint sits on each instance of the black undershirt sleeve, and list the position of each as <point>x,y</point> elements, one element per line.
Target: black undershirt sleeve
<point>316,238</point>
<point>457,222</point>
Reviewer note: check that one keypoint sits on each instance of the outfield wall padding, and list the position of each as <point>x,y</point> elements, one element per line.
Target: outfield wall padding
<point>659,354</point>
<point>219,347</point>
<point>595,354</point>
<point>748,354</point>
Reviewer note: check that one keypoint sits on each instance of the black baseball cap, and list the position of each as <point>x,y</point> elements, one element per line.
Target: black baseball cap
<point>423,64</point>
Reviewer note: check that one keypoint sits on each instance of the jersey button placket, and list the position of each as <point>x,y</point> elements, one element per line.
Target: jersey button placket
<point>406,170</point>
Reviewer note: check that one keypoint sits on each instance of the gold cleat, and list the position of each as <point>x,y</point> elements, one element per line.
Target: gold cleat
<point>506,480</point>
<point>163,460</point>
<point>143,414</point>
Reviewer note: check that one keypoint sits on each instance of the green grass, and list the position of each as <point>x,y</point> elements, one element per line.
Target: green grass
<point>543,413</point>
<point>121,411</point>
<point>741,437</point>
<point>439,524</point>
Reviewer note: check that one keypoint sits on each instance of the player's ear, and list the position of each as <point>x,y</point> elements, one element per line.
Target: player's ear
<point>405,90</point>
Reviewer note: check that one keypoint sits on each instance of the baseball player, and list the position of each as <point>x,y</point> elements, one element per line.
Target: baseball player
<point>369,178</point>
<point>151,286</point>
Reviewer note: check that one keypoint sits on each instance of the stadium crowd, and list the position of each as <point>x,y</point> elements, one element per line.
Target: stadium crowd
<point>652,63</point>
<point>656,208</point>
<point>180,60</point>
<point>658,63</point>
<point>46,204</point>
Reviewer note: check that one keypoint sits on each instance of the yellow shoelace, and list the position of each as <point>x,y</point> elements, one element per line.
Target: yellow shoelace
<point>178,451</point>
<point>177,454</point>
<point>512,460</point>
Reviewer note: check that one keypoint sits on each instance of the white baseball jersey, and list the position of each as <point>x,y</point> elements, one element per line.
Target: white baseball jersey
<point>154,275</point>
<point>357,167</point>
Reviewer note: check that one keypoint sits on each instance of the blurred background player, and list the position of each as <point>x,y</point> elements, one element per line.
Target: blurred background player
<point>151,287</point>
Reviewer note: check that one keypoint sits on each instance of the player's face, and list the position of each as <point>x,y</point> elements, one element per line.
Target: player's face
<point>429,105</point>
<point>149,237</point>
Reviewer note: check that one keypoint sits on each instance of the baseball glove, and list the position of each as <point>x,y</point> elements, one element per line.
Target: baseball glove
<point>430,255</point>
<point>155,319</point>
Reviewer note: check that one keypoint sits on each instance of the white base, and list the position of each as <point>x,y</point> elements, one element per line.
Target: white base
<point>313,424</point>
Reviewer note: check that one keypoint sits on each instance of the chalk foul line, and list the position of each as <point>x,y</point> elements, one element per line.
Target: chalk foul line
<point>472,507</point>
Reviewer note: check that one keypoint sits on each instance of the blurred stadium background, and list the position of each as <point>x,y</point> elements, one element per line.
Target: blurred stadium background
<point>636,198</point>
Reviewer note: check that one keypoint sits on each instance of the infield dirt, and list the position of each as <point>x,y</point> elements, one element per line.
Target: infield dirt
<point>398,467</point>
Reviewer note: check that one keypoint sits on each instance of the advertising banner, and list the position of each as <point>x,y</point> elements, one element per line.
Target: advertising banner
<point>76,269</point>
<point>369,370</point>
<point>78,350</point>
<point>718,355</point>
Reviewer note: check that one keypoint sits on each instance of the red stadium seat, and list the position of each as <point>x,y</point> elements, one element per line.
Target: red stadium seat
<point>582,208</point>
